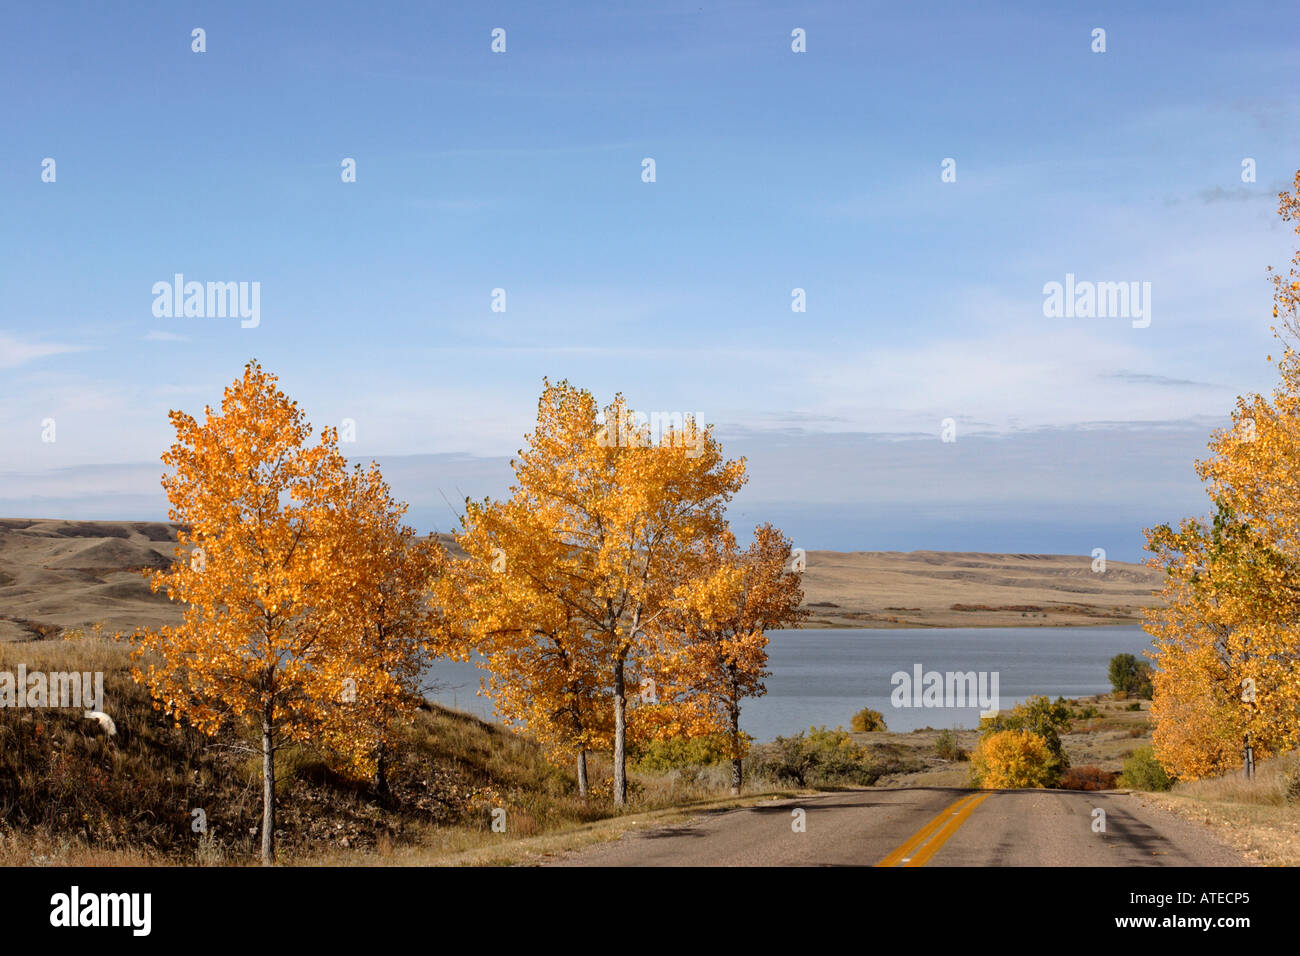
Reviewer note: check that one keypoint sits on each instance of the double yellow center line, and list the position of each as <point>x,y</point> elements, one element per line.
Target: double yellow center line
<point>925,842</point>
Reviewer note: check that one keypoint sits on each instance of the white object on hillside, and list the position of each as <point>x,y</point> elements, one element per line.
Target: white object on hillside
<point>104,721</point>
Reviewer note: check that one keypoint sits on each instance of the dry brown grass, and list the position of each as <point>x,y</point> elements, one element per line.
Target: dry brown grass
<point>71,796</point>
<point>1252,815</point>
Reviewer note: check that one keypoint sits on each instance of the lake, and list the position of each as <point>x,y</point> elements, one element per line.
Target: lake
<point>825,676</point>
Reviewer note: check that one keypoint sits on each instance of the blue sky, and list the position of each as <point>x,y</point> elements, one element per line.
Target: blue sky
<point>774,170</point>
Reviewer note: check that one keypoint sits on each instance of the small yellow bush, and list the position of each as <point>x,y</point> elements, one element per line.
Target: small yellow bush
<point>867,720</point>
<point>1011,759</point>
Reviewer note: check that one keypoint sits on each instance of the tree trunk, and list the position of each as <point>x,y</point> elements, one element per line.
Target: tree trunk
<point>381,775</point>
<point>733,712</point>
<point>736,769</point>
<point>582,773</point>
<point>620,737</point>
<point>268,792</point>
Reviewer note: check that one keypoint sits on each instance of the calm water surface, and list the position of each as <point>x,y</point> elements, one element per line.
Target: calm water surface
<point>825,676</point>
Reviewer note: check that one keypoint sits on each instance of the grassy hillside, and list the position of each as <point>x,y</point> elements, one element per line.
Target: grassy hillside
<point>69,791</point>
<point>59,574</point>
<point>71,794</point>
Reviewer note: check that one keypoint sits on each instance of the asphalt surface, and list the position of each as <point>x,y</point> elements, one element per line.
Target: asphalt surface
<point>936,826</point>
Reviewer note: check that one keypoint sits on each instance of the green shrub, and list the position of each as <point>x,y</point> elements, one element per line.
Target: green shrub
<point>1143,772</point>
<point>820,758</point>
<point>867,720</point>
<point>947,748</point>
<point>1130,676</point>
<point>661,756</point>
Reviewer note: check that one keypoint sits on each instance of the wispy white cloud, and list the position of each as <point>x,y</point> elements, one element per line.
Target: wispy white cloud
<point>15,352</point>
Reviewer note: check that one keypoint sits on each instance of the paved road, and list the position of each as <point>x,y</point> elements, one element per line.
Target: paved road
<point>925,826</point>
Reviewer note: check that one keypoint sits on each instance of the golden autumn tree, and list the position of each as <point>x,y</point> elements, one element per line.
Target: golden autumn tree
<point>591,544</point>
<point>1228,598</point>
<point>281,565</point>
<point>716,644</point>
<point>384,610</point>
<point>542,663</point>
<point>1228,638</point>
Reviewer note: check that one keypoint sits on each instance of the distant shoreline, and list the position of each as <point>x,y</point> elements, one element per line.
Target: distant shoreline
<point>57,574</point>
<point>911,589</point>
<point>973,626</point>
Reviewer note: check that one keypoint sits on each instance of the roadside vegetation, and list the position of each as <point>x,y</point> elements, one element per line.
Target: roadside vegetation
<point>1142,771</point>
<point>1260,815</point>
